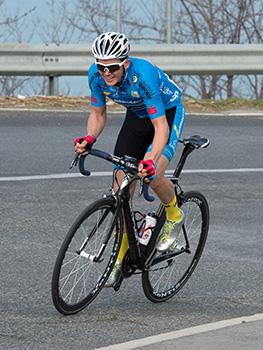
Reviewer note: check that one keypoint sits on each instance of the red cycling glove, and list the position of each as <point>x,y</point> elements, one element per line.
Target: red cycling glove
<point>149,166</point>
<point>89,139</point>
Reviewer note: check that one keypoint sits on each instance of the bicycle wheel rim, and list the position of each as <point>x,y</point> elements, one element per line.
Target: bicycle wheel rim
<point>78,278</point>
<point>166,278</point>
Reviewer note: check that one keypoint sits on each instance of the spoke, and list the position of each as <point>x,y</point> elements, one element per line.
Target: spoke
<point>76,270</point>
<point>79,274</point>
<point>67,276</point>
<point>191,226</point>
<point>162,281</point>
<point>159,280</point>
<point>74,285</point>
<point>83,288</point>
<point>76,256</point>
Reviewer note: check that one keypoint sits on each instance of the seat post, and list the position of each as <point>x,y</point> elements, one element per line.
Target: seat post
<point>186,151</point>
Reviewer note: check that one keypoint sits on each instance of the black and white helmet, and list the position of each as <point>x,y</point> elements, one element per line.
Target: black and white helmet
<point>111,45</point>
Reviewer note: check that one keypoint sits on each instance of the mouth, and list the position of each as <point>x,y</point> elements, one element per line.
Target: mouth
<point>109,79</point>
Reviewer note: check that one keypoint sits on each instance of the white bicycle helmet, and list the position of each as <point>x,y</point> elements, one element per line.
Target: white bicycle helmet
<point>111,45</point>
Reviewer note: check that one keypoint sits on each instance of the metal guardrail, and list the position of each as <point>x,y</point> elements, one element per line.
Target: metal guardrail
<point>175,59</point>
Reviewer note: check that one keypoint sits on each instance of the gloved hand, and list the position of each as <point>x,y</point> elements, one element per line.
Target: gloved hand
<point>147,168</point>
<point>84,143</point>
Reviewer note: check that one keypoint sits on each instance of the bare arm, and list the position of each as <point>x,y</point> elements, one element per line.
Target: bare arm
<point>161,134</point>
<point>96,121</point>
<point>95,125</point>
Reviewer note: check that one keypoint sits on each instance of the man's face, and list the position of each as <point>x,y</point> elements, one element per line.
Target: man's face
<point>112,77</point>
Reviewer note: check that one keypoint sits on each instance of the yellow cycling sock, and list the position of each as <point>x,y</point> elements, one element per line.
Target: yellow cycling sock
<point>123,247</point>
<point>172,211</point>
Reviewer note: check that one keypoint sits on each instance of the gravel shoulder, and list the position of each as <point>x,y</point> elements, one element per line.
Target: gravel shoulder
<point>83,103</point>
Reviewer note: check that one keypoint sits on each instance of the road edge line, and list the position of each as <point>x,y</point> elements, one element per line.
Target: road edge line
<point>255,114</point>
<point>109,173</point>
<point>208,327</point>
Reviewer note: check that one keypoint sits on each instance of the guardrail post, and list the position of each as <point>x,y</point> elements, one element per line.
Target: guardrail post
<point>118,16</point>
<point>169,20</point>
<point>53,85</point>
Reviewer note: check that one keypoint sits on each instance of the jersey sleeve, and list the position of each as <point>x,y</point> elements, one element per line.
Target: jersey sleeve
<point>150,90</point>
<point>97,98</point>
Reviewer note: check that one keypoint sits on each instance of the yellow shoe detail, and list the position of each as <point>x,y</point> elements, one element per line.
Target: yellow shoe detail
<point>173,213</point>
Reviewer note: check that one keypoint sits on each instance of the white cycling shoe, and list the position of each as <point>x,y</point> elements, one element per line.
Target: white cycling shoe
<point>114,276</point>
<point>170,231</point>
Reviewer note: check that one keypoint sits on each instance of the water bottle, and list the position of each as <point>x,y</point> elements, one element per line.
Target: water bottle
<point>146,232</point>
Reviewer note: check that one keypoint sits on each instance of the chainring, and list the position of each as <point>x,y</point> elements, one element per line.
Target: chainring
<point>128,268</point>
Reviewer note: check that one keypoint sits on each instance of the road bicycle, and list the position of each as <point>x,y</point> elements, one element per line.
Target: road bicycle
<point>90,249</point>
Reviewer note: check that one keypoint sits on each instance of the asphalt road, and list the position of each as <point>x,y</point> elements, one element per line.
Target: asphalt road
<point>36,214</point>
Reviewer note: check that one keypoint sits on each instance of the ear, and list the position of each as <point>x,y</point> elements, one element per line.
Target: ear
<point>127,64</point>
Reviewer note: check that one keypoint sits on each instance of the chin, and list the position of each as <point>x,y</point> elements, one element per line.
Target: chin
<point>112,82</point>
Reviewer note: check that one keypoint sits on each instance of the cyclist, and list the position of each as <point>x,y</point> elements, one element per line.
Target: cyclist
<point>151,129</point>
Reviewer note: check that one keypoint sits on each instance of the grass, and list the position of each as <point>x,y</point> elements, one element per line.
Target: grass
<point>222,105</point>
<point>82,103</point>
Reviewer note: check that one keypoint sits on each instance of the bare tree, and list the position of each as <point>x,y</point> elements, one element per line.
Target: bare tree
<point>253,29</point>
<point>14,28</point>
<point>56,27</point>
<point>220,22</point>
<point>139,19</point>
<point>195,21</point>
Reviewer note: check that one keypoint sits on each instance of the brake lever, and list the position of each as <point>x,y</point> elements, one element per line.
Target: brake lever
<point>75,161</point>
<point>141,187</point>
<point>144,190</point>
<point>146,194</point>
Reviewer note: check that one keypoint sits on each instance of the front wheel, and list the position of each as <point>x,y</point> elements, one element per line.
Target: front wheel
<point>87,256</point>
<point>166,276</point>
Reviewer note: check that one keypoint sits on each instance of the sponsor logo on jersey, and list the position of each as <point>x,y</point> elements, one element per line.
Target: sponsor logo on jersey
<point>146,89</point>
<point>93,99</point>
<point>135,94</point>
<point>175,96</point>
<point>134,78</point>
<point>106,93</point>
<point>165,90</point>
<point>152,109</point>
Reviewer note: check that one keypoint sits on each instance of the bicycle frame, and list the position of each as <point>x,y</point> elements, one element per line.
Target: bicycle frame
<point>124,196</point>
<point>137,259</point>
<point>147,259</point>
<point>90,249</point>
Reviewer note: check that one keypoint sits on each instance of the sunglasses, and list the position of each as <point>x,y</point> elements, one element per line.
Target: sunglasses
<point>109,68</point>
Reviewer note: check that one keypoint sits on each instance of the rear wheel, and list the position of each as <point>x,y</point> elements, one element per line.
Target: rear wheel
<point>167,276</point>
<point>86,257</point>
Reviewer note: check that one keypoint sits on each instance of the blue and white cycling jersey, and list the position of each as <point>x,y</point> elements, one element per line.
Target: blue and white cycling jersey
<point>145,90</point>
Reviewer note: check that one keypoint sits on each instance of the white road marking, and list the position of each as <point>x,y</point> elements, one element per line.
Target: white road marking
<point>109,173</point>
<point>139,343</point>
<point>257,114</point>
<point>52,176</point>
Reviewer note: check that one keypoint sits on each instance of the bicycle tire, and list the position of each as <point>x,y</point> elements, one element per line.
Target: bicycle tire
<point>163,280</point>
<point>77,279</point>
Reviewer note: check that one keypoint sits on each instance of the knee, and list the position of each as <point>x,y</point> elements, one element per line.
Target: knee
<point>156,182</point>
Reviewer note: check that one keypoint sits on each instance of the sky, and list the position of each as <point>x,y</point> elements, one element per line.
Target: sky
<point>78,85</point>
<point>24,5</point>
